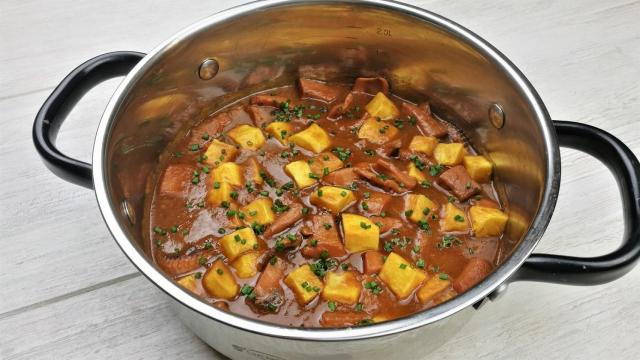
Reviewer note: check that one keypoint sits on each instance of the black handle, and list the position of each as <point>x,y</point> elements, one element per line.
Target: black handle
<point>626,169</point>
<point>56,108</point>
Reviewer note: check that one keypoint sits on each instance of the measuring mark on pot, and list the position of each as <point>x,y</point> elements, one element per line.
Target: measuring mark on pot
<point>496,115</point>
<point>208,69</point>
<point>383,32</point>
<point>255,353</point>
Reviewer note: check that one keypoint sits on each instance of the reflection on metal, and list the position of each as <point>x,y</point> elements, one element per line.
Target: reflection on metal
<point>128,212</point>
<point>496,116</point>
<point>208,69</point>
<point>499,292</point>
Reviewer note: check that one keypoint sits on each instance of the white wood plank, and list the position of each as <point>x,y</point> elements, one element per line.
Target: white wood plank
<point>68,292</point>
<point>53,236</point>
<point>42,41</point>
<point>56,227</point>
<point>129,320</point>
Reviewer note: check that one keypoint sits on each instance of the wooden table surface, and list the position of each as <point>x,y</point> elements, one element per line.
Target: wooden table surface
<point>67,292</point>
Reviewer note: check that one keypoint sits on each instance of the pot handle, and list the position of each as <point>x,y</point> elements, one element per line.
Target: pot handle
<point>63,98</point>
<point>626,169</point>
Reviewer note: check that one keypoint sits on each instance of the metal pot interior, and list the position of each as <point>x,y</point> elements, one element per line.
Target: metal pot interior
<point>264,45</point>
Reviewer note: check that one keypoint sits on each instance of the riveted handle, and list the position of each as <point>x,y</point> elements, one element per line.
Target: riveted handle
<point>626,169</point>
<point>63,98</point>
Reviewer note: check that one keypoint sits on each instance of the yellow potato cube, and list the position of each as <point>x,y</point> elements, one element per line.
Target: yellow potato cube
<point>418,206</point>
<point>218,193</point>
<point>313,138</point>
<point>423,144</point>
<point>253,171</point>
<point>431,288</point>
<point>246,265</point>
<point>380,106</point>
<point>341,287</point>
<point>230,173</point>
<point>487,222</point>
<point>259,210</point>
<point>219,282</point>
<point>478,167</point>
<point>301,173</point>
<point>378,318</point>
<point>189,282</point>
<point>328,161</point>
<point>449,154</point>
<point>219,152</point>
<point>415,173</point>
<point>238,242</point>
<point>247,136</point>
<point>454,219</point>
<point>333,198</point>
<point>304,284</point>
<point>360,233</point>
<point>377,131</point>
<point>280,131</point>
<point>399,276</point>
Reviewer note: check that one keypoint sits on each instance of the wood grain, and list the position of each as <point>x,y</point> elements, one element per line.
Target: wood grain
<point>68,292</point>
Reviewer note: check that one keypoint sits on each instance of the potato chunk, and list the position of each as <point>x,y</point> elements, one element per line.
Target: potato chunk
<point>280,131</point>
<point>219,193</point>
<point>432,287</point>
<point>377,131</point>
<point>399,276</point>
<point>478,167</point>
<point>246,265</point>
<point>189,282</point>
<point>341,287</point>
<point>219,152</point>
<point>415,173</point>
<point>360,233</point>
<point>449,154</point>
<point>418,206</point>
<point>304,284</point>
<point>259,210</point>
<point>301,173</point>
<point>382,107</point>
<point>313,138</point>
<point>247,136</point>
<point>423,144</point>
<point>219,282</point>
<point>324,163</point>
<point>487,222</point>
<point>454,219</point>
<point>238,242</point>
<point>333,198</point>
<point>228,172</point>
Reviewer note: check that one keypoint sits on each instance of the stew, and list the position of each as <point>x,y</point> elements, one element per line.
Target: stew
<point>323,205</point>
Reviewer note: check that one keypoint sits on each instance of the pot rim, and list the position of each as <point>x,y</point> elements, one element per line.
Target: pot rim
<point>474,295</point>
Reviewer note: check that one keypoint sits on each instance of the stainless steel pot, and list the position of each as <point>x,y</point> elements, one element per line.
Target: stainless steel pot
<point>265,44</point>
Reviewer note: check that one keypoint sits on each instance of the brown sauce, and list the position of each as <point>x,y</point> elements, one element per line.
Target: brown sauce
<point>186,226</point>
